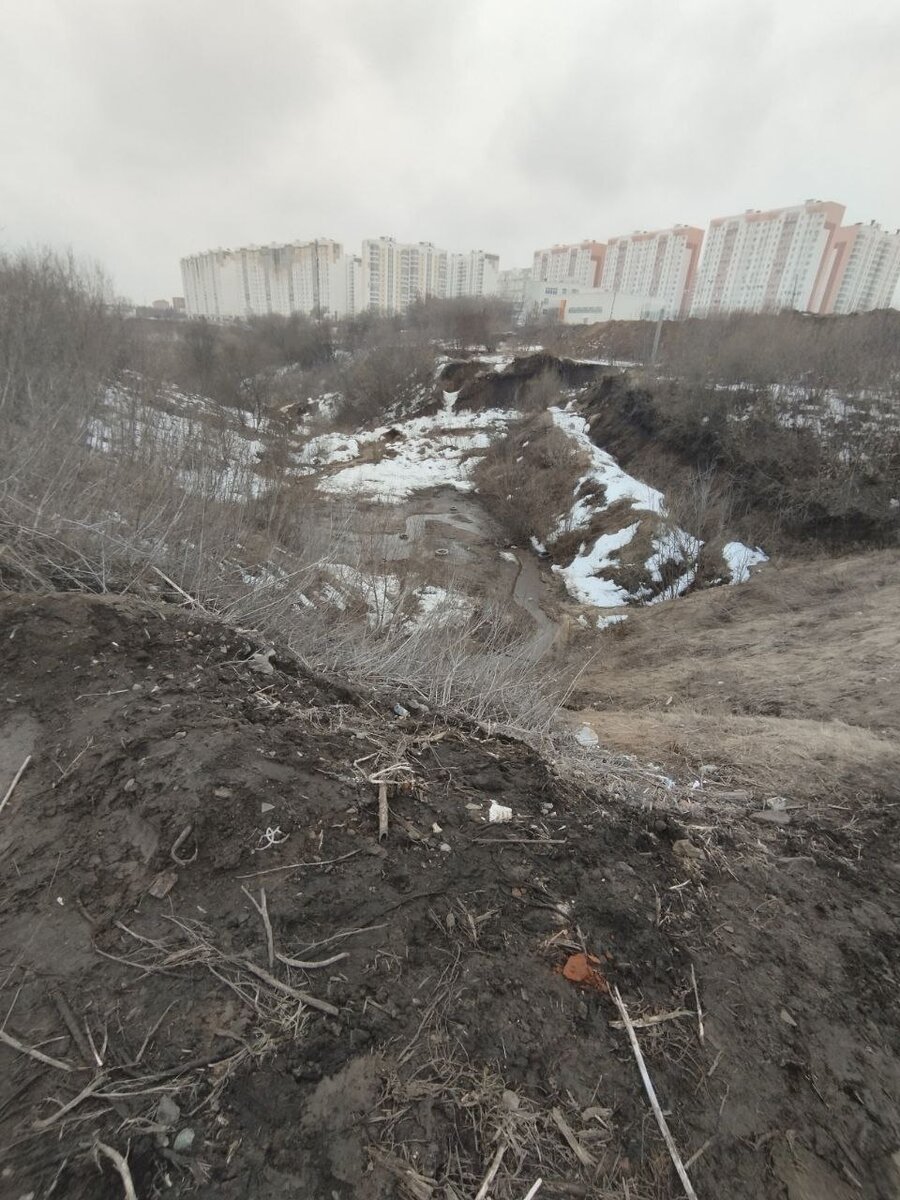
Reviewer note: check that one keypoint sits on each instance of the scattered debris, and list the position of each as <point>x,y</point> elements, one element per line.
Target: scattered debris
<point>584,969</point>
<point>498,813</point>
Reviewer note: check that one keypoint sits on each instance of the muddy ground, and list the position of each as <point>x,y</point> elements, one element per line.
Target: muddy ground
<point>432,1026</point>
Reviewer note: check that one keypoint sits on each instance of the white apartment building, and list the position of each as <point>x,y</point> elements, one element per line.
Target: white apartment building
<point>394,274</point>
<point>661,264</point>
<point>472,273</point>
<point>577,263</point>
<point>863,268</point>
<point>511,286</point>
<point>306,277</point>
<point>767,261</point>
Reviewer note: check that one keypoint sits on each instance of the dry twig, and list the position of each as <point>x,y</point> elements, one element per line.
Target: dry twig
<point>382,811</point>
<point>263,910</point>
<point>120,1162</point>
<point>15,1044</point>
<point>12,787</point>
<point>179,841</point>
<point>649,1022</point>
<point>651,1096</point>
<point>492,1171</point>
<point>700,1033</point>
<point>586,1159</point>
<point>325,862</point>
<point>310,966</point>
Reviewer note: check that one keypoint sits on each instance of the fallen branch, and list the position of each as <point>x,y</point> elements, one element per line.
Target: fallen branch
<point>492,1171</point>
<point>651,1096</point>
<point>15,1044</point>
<point>382,811</point>
<point>584,1157</point>
<point>533,1190</point>
<point>119,1161</point>
<point>263,910</point>
<point>12,787</point>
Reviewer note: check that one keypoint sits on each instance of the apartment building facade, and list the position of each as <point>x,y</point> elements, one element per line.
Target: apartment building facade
<point>512,285</point>
<point>863,269</point>
<point>473,273</point>
<point>576,263</point>
<point>257,280</point>
<point>660,265</point>
<point>767,261</point>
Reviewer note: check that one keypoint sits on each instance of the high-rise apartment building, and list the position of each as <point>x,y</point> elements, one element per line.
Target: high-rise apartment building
<point>512,285</point>
<point>862,269</point>
<point>579,262</point>
<point>256,280</point>
<point>660,266</point>
<point>767,261</point>
<point>394,274</point>
<point>473,273</point>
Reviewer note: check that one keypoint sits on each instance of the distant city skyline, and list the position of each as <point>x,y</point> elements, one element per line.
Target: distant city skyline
<point>799,256</point>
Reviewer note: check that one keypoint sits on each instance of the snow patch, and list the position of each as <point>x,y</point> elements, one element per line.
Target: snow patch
<point>741,559</point>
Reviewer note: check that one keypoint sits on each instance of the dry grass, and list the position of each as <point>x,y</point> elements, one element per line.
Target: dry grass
<point>788,682</point>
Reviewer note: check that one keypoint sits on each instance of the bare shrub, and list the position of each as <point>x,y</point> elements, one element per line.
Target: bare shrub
<point>111,481</point>
<point>530,477</point>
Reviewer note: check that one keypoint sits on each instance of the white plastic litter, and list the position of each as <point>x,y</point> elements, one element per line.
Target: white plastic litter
<point>499,812</point>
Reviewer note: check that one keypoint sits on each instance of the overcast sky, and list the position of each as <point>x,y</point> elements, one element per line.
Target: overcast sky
<point>138,131</point>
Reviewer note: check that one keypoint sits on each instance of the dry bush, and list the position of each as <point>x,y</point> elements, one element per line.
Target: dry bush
<point>529,477</point>
<point>100,491</point>
<point>383,381</point>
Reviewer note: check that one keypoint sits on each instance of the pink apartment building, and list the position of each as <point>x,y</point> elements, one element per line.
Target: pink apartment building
<point>660,265</point>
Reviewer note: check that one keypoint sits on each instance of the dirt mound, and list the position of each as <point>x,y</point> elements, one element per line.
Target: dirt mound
<point>212,966</point>
<point>501,389</point>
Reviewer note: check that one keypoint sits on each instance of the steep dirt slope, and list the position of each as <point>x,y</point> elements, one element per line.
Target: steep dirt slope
<point>177,792</point>
<point>790,681</point>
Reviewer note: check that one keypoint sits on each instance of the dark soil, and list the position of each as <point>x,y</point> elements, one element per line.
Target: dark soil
<point>455,1031</point>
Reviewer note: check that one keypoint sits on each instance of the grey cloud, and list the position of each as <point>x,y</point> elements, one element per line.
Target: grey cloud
<point>142,131</point>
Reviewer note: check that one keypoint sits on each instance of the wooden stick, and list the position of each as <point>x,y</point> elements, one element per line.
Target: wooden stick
<point>533,1190</point>
<point>15,1044</point>
<point>586,1159</point>
<point>699,1009</point>
<point>310,966</point>
<point>492,1171</point>
<point>294,993</point>
<point>12,787</point>
<point>119,1161</point>
<point>651,1096</point>
<point>263,910</point>
<point>382,811</point>
<point>648,1022</point>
